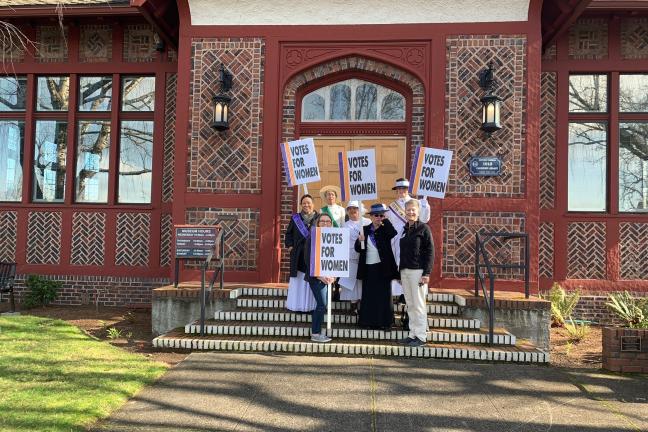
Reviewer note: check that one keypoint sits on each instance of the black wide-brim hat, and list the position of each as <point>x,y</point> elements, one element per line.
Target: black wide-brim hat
<point>401,182</point>
<point>378,208</point>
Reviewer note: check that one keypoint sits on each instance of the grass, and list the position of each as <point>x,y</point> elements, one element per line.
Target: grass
<point>53,377</point>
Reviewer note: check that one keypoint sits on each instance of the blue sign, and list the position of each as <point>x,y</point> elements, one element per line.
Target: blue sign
<point>485,166</point>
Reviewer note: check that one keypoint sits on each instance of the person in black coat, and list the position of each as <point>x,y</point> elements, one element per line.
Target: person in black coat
<point>416,257</point>
<point>300,298</point>
<point>376,268</point>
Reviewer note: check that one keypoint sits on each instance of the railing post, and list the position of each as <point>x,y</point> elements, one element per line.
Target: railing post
<point>526,265</point>
<point>202,297</point>
<point>476,264</point>
<point>222,260</point>
<point>491,311</point>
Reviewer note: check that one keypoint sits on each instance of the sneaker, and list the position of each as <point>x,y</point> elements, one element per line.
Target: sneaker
<point>416,343</point>
<point>320,338</point>
<point>408,340</point>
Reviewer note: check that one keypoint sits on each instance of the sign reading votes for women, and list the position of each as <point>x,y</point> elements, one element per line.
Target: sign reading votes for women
<point>358,175</point>
<point>329,254</point>
<point>430,172</point>
<point>300,161</point>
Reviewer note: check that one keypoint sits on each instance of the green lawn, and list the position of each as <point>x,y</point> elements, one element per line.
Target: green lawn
<point>55,378</point>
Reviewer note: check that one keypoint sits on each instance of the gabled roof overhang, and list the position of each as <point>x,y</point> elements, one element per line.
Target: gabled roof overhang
<point>163,16</point>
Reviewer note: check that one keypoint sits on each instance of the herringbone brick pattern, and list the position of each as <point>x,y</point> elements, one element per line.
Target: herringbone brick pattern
<point>52,44</point>
<point>588,39</point>
<point>166,236</point>
<point>229,162</point>
<point>8,228</point>
<point>133,236</point>
<point>546,249</point>
<point>633,239</point>
<point>459,230</point>
<point>44,237</point>
<point>241,229</point>
<point>169,137</point>
<point>95,43</point>
<point>586,250</point>
<point>88,234</point>
<point>12,53</point>
<point>466,56</point>
<point>353,63</point>
<point>139,43</point>
<point>548,140</point>
<point>634,38</point>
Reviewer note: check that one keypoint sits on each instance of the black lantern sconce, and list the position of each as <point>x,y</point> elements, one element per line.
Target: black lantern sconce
<point>491,103</point>
<point>221,101</point>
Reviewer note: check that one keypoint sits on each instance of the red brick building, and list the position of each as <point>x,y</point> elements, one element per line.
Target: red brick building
<point>105,142</point>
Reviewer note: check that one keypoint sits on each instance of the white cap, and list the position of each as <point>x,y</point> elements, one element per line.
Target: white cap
<point>357,204</point>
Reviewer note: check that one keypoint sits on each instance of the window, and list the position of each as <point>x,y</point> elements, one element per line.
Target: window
<point>590,181</point>
<point>353,100</point>
<point>86,143</point>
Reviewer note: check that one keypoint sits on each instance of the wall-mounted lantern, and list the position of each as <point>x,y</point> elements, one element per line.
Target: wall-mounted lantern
<point>491,103</point>
<point>221,102</point>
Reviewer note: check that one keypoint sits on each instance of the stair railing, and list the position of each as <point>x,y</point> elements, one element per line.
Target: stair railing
<point>220,271</point>
<point>480,253</point>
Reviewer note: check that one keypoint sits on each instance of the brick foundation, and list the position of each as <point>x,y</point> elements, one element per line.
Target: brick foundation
<point>112,291</point>
<point>616,356</point>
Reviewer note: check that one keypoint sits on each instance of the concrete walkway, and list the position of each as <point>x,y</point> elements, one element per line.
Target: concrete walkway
<point>256,392</point>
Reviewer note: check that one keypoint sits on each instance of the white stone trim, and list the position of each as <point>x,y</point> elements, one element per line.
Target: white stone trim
<point>336,12</point>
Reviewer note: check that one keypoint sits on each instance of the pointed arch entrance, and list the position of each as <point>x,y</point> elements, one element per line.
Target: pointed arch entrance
<point>412,130</point>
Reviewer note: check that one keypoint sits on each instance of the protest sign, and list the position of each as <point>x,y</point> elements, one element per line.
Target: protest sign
<point>329,254</point>
<point>430,172</point>
<point>358,175</point>
<point>300,161</point>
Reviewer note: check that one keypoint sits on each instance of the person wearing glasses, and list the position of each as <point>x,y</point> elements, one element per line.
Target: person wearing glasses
<point>416,257</point>
<point>397,217</point>
<point>318,285</point>
<point>376,269</point>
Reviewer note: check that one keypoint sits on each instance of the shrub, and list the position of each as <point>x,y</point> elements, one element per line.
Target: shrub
<point>632,311</point>
<point>40,291</point>
<point>114,333</point>
<point>576,332</point>
<point>562,304</point>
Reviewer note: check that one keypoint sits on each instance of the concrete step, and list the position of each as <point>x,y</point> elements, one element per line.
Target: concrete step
<point>280,303</point>
<point>283,292</point>
<point>245,328</point>
<point>249,314</point>
<point>518,354</point>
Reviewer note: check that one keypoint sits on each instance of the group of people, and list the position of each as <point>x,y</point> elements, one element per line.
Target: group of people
<point>391,255</point>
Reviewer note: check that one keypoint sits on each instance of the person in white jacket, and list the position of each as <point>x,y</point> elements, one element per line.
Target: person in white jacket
<point>396,216</point>
<point>351,287</point>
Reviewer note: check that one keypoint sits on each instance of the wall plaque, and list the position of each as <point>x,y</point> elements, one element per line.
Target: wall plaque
<point>630,343</point>
<point>485,166</point>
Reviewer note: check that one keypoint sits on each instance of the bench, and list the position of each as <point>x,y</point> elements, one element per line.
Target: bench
<point>7,278</point>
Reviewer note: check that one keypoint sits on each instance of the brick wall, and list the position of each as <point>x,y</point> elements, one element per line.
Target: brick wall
<point>617,357</point>
<point>588,39</point>
<point>466,56</point>
<point>112,291</point>
<point>229,161</point>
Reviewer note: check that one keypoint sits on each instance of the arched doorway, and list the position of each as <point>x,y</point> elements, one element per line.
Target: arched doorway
<point>354,126</point>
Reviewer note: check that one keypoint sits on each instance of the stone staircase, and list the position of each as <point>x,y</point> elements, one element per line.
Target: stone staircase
<point>261,323</point>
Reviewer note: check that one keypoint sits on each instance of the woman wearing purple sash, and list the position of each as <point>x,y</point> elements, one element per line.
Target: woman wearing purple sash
<point>300,297</point>
<point>376,269</point>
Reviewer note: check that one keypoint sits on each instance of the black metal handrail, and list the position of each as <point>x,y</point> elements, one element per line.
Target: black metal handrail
<point>480,251</point>
<point>220,271</point>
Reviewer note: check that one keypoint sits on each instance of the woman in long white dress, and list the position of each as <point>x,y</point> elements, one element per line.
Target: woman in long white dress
<point>300,296</point>
<point>351,287</point>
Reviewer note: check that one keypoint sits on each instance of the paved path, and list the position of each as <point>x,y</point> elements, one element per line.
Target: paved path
<point>256,392</point>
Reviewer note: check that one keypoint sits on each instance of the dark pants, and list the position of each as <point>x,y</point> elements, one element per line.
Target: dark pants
<point>319,292</point>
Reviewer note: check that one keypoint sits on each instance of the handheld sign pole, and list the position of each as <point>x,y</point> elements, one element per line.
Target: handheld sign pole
<point>328,312</point>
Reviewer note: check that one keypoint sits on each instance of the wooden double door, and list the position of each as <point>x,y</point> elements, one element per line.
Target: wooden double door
<point>391,153</point>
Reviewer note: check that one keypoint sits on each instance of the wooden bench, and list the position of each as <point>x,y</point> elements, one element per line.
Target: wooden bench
<point>7,278</point>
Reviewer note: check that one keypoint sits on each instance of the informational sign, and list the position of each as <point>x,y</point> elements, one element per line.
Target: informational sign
<point>194,241</point>
<point>300,161</point>
<point>358,175</point>
<point>329,254</point>
<point>430,172</point>
<point>485,166</point>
